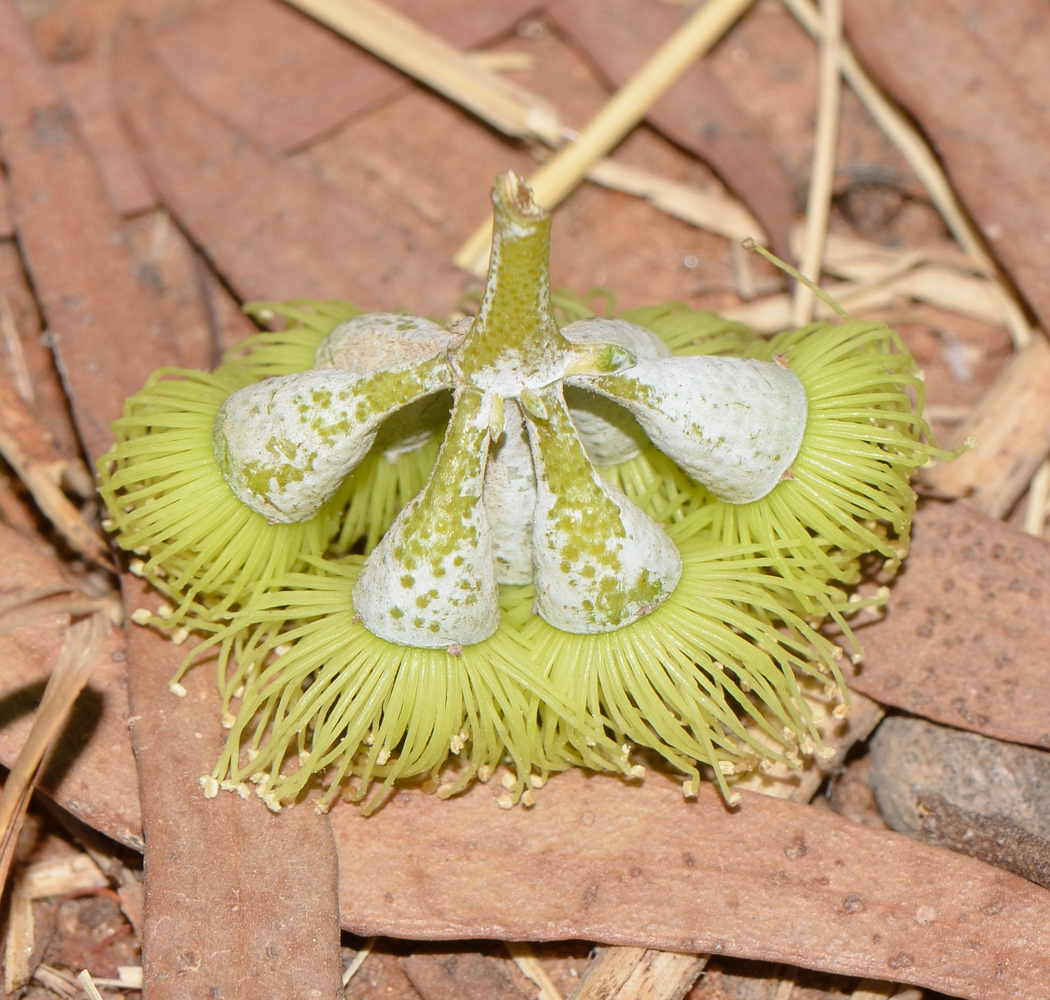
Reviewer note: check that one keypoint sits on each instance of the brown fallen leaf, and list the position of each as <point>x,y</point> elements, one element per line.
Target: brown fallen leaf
<point>280,77</point>
<point>90,298</point>
<point>640,865</point>
<point>954,67</point>
<point>239,901</point>
<point>231,898</point>
<point>698,113</point>
<point>965,634</point>
<point>274,231</point>
<point>86,84</point>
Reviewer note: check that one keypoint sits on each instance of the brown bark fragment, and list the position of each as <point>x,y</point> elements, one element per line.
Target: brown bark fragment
<point>964,637</point>
<point>952,64</point>
<point>1011,425</point>
<point>643,866</point>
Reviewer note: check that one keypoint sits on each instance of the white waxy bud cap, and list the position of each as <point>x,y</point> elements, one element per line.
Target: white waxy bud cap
<point>600,561</point>
<point>609,433</point>
<point>375,342</point>
<point>431,581</point>
<point>285,444</point>
<point>510,498</point>
<point>734,425</point>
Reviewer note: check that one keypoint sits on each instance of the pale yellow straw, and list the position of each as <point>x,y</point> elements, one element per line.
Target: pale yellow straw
<point>566,168</point>
<point>822,175</point>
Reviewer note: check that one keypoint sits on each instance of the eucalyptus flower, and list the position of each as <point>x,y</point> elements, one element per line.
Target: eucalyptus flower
<point>425,550</point>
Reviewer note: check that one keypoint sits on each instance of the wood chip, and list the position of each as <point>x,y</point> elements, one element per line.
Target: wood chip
<point>58,876</point>
<point>1011,425</point>
<point>639,974</point>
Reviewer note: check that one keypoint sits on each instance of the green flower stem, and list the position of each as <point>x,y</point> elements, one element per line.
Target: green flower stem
<point>514,336</point>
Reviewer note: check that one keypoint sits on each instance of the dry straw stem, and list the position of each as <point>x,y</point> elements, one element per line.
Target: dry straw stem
<point>946,281</point>
<point>87,984</point>
<point>880,277</point>
<point>714,211</point>
<point>1038,501</point>
<point>916,151</point>
<point>822,173</point>
<point>25,446</point>
<point>16,356</point>
<point>911,144</point>
<point>396,39</point>
<point>563,171</point>
<point>532,967</point>
<point>358,960</point>
<point>997,417</point>
<point>83,644</point>
<point>470,80</point>
<point>25,606</point>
